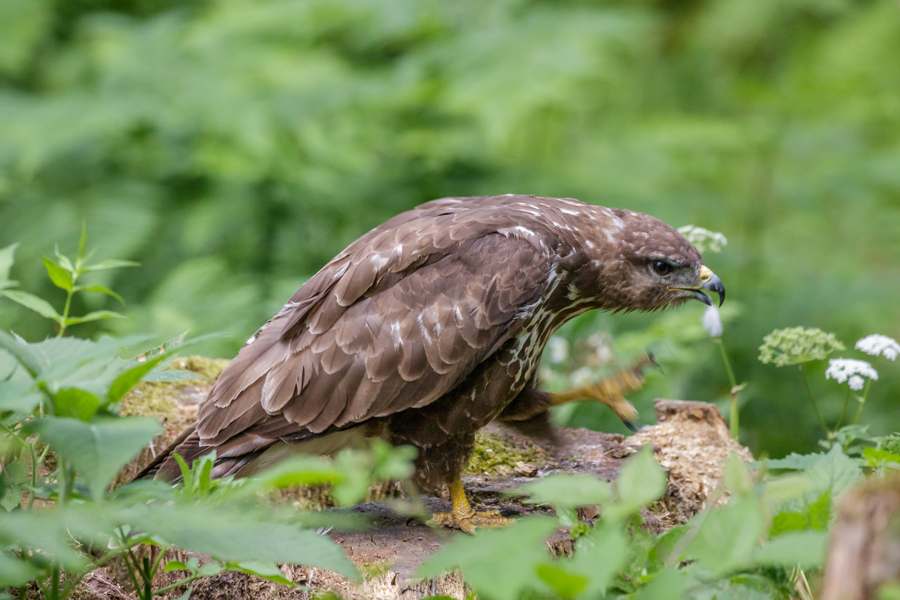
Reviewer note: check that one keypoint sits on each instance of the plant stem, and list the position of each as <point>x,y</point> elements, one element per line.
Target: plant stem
<point>65,315</point>
<point>812,399</point>
<point>843,410</point>
<point>163,590</point>
<point>734,416</point>
<point>862,402</point>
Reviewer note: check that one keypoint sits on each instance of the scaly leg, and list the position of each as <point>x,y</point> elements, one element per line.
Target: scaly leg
<point>611,391</point>
<point>463,516</point>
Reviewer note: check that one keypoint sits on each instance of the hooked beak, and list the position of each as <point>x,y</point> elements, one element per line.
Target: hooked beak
<point>708,281</point>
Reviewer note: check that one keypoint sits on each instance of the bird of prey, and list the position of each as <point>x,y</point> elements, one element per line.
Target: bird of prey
<point>429,327</point>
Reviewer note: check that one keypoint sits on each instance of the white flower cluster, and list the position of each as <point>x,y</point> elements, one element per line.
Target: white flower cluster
<point>703,239</point>
<point>879,345</point>
<point>850,370</point>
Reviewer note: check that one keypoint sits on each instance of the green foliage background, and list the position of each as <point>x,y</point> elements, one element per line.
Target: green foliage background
<point>234,146</point>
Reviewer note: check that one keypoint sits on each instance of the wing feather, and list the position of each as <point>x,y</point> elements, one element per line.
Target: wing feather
<point>364,349</point>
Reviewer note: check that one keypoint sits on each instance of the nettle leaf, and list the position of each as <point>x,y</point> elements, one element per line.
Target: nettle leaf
<point>727,535</point>
<point>836,473</point>
<point>266,570</point>
<point>805,549</point>
<point>50,532</point>
<point>97,450</point>
<point>669,583</point>
<point>32,302</point>
<point>19,396</point>
<point>392,462</point>
<point>793,461</point>
<point>736,476</point>
<point>600,556</point>
<point>76,403</point>
<point>564,490</point>
<point>565,584</point>
<point>500,564</point>
<point>24,354</point>
<point>233,535</point>
<point>58,275</point>
<point>16,572</point>
<point>640,482</point>
<point>877,458</point>
<point>129,378</point>
<point>298,470</point>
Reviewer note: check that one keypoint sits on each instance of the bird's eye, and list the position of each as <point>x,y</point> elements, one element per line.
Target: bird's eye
<point>661,267</point>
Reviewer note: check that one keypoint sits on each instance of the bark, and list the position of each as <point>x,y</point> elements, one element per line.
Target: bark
<point>864,553</point>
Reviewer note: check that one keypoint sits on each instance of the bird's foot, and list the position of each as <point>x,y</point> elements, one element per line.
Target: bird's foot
<point>463,516</point>
<point>611,391</point>
<point>468,522</point>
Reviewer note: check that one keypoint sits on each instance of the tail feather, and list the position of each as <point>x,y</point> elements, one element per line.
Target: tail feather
<point>165,467</point>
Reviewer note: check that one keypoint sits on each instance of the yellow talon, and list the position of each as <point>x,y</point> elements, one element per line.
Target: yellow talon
<point>611,391</point>
<point>463,516</point>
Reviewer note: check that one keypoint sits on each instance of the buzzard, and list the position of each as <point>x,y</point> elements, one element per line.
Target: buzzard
<point>429,327</point>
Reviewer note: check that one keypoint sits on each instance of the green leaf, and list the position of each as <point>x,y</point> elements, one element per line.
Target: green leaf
<point>64,260</point>
<point>238,535</point>
<point>98,288</point>
<point>109,264</point>
<point>736,476</point>
<point>266,570</point>
<point>788,521</point>
<point>805,549</point>
<point>793,460</point>
<point>32,302</point>
<point>7,257</point>
<point>58,275</point>
<point>727,535</point>
<point>82,241</point>
<point>187,594</point>
<point>564,490</point>
<point>820,511</point>
<point>49,533</point>
<point>19,396</point>
<point>127,380</point>
<point>876,458</point>
<point>665,585</point>
<point>500,564</point>
<point>175,565</point>
<point>24,355</point>
<point>97,450</point>
<point>16,572</point>
<point>640,482</point>
<point>565,584</point>
<point>210,569</point>
<point>94,316</point>
<point>76,403</point>
<point>836,473</point>
<point>600,557</point>
<point>297,470</point>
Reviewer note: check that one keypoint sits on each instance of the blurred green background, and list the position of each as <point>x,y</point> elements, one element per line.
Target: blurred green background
<point>234,146</point>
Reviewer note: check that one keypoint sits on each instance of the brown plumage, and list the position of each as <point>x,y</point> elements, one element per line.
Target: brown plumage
<point>430,326</point>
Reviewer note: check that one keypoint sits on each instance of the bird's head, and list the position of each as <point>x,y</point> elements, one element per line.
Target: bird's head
<point>658,267</point>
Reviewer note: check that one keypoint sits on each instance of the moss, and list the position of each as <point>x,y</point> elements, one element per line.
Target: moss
<point>210,368</point>
<point>171,402</point>
<point>497,454</point>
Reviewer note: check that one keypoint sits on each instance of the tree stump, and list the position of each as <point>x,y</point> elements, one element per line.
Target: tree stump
<point>864,553</point>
